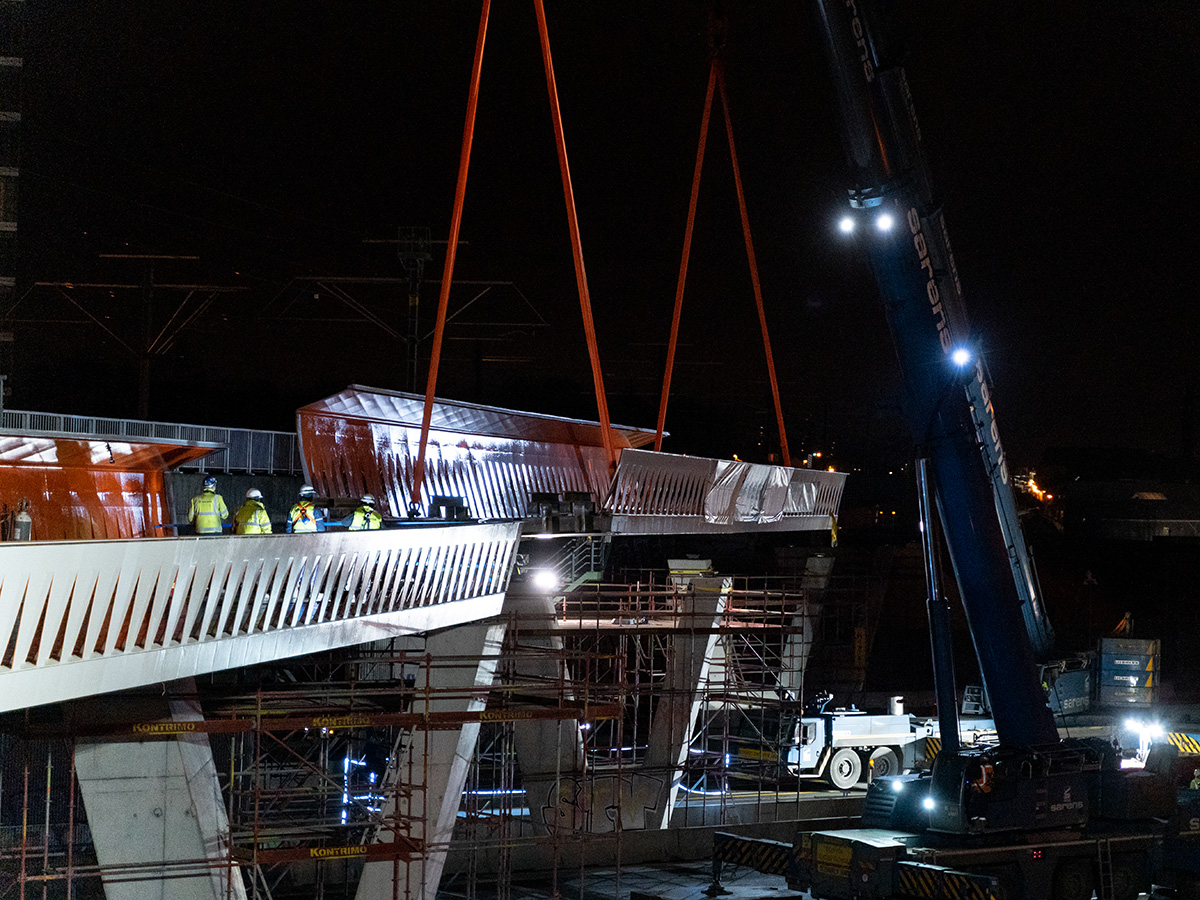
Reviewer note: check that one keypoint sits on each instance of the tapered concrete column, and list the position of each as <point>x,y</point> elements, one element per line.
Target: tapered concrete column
<point>549,751</point>
<point>679,704</point>
<point>158,802</point>
<point>798,646</point>
<point>432,765</point>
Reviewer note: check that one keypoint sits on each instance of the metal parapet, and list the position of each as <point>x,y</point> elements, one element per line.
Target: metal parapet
<point>80,618</point>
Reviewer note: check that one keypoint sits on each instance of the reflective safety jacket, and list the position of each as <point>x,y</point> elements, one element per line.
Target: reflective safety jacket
<point>252,518</point>
<point>303,518</point>
<point>207,512</point>
<point>365,519</point>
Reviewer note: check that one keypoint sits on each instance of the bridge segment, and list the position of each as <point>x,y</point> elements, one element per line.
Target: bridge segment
<point>79,618</point>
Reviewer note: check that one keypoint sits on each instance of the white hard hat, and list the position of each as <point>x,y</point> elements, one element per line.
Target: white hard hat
<point>368,500</point>
<point>307,490</point>
<point>254,494</point>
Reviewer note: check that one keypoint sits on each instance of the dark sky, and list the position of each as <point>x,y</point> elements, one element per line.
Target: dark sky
<point>271,141</point>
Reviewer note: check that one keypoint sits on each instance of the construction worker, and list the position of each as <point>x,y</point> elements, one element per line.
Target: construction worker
<point>1195,785</point>
<point>208,509</point>
<point>365,518</point>
<point>252,518</point>
<point>304,517</point>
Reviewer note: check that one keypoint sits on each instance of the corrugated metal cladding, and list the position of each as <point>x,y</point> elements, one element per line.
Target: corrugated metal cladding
<point>364,440</point>
<point>80,489</point>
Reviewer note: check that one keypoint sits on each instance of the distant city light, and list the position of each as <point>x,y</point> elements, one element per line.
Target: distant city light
<point>846,226</point>
<point>885,222</point>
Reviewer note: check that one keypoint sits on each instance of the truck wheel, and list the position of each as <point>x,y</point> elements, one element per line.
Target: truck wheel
<point>883,762</point>
<point>844,770</point>
<point>1072,880</point>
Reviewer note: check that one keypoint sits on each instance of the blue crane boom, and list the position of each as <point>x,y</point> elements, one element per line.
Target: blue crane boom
<point>948,399</point>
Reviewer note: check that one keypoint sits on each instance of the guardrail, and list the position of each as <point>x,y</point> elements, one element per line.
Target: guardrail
<point>86,617</point>
<point>720,492</point>
<point>234,449</point>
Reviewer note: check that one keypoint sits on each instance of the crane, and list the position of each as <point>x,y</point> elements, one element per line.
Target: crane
<point>1032,816</point>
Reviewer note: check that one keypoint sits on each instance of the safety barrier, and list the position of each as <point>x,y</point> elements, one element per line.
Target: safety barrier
<point>84,617</point>
<point>237,449</point>
<point>718,493</point>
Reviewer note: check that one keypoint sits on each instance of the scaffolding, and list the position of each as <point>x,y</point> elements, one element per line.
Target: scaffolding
<point>323,763</point>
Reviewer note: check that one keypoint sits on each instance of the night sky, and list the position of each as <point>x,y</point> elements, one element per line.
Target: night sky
<point>272,141</point>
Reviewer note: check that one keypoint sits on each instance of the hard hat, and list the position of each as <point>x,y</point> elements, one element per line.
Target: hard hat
<point>254,494</point>
<point>307,490</point>
<point>368,500</point>
<point>210,482</point>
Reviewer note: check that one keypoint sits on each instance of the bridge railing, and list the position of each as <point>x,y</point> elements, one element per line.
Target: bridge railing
<point>719,491</point>
<point>235,449</point>
<point>171,607</point>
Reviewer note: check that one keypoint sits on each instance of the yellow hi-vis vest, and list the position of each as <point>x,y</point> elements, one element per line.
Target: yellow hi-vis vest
<point>303,517</point>
<point>207,512</point>
<point>252,518</point>
<point>365,519</point>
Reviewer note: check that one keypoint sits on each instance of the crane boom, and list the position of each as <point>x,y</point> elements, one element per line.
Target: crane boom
<point>948,399</point>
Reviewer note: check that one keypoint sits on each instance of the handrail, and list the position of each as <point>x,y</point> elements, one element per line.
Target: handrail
<point>84,617</point>
<point>233,449</point>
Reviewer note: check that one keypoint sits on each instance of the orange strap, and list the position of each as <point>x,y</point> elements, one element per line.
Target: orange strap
<point>460,190</point>
<point>585,302</point>
<point>762,316</point>
<point>687,252</point>
<point>716,75</point>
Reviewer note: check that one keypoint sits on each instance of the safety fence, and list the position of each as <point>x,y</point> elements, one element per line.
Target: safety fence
<point>84,617</point>
<point>721,492</point>
<point>234,449</point>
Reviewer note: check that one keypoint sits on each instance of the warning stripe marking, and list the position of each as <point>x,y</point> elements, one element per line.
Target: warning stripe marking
<point>924,882</point>
<point>1187,743</point>
<point>768,857</point>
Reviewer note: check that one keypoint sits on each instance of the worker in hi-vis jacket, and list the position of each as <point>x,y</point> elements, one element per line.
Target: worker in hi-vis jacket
<point>252,518</point>
<point>208,509</point>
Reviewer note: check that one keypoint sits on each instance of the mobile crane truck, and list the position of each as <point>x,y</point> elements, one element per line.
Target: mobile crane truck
<point>1032,816</point>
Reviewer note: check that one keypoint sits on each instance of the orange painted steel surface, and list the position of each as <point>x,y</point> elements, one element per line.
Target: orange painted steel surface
<point>88,489</point>
<point>365,440</point>
<point>70,504</point>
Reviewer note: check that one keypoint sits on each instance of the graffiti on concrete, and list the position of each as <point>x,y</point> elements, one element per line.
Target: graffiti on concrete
<point>596,803</point>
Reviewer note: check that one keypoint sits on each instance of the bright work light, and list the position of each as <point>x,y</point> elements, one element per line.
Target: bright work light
<point>545,580</point>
